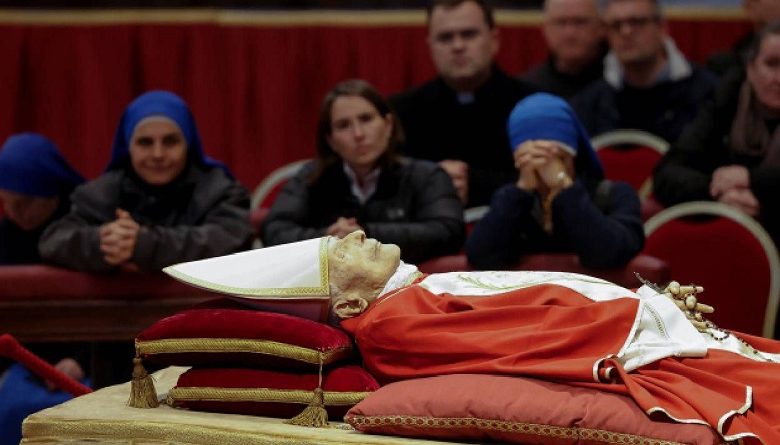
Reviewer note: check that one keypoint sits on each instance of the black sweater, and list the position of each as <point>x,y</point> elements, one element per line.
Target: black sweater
<point>437,127</point>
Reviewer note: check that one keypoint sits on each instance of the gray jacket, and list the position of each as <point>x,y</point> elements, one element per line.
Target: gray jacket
<point>202,214</point>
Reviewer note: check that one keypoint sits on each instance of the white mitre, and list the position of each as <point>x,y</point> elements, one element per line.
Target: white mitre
<point>279,278</point>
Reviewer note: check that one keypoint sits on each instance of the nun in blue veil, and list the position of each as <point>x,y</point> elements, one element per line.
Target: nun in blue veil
<point>35,185</point>
<point>561,201</point>
<point>160,201</point>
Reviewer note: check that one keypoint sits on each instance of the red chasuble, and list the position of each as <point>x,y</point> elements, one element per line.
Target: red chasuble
<point>555,333</point>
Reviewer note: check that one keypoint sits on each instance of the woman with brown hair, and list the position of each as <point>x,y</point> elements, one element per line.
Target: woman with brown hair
<point>358,181</point>
<point>731,152</point>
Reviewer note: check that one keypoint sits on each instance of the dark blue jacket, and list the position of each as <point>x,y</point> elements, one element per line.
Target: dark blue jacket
<point>601,238</point>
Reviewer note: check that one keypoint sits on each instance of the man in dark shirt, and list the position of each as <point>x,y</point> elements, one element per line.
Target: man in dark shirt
<point>576,41</point>
<point>459,118</point>
<point>648,83</point>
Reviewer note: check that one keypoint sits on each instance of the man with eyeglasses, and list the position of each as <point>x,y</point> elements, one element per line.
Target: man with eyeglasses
<point>576,42</point>
<point>648,83</point>
<point>458,119</point>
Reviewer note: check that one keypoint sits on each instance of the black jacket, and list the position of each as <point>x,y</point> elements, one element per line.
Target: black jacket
<point>601,237</point>
<point>202,214</point>
<point>414,206</point>
<point>438,127</point>
<point>548,78</point>
<point>685,173</point>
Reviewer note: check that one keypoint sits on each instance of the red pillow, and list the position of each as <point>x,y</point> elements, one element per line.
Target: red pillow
<point>270,393</point>
<point>242,337</point>
<point>517,410</point>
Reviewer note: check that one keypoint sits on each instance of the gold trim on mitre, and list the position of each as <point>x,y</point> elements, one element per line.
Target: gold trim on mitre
<point>287,266</point>
<point>237,345</point>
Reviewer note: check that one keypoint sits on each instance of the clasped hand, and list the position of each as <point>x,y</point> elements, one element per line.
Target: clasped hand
<point>118,239</point>
<point>343,227</point>
<point>541,167</point>
<point>731,186</point>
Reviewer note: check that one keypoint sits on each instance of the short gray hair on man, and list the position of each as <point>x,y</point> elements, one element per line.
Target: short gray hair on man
<point>602,5</point>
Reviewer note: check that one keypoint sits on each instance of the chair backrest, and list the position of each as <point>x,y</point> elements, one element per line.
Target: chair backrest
<point>630,156</point>
<point>266,190</point>
<point>265,193</point>
<point>729,253</point>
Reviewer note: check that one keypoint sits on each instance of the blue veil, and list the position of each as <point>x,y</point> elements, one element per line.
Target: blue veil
<point>549,117</point>
<point>159,103</point>
<point>31,164</point>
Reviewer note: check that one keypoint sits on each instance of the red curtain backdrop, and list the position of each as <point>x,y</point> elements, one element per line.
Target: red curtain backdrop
<point>255,88</point>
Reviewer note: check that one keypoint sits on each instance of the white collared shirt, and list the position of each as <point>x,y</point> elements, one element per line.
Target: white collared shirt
<point>364,192</point>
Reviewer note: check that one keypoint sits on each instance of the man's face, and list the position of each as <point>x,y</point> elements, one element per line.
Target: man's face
<point>462,45</point>
<point>358,269</point>
<point>356,262</point>
<point>573,30</point>
<point>764,73</point>
<point>634,31</point>
<point>762,12</point>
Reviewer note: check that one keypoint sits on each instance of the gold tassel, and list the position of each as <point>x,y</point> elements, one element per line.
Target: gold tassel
<point>142,392</point>
<point>314,415</point>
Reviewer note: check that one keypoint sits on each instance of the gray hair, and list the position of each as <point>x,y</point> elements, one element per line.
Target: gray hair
<point>602,5</point>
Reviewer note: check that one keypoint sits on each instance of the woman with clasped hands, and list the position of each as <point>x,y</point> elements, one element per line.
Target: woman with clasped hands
<point>358,182</point>
<point>731,152</point>
<point>161,200</point>
<point>560,202</point>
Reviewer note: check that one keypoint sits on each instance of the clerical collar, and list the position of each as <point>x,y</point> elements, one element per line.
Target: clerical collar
<point>466,97</point>
<point>403,276</point>
<point>364,192</point>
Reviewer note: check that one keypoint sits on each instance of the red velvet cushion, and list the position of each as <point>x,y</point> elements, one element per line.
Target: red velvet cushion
<point>514,409</point>
<point>270,393</point>
<point>242,337</point>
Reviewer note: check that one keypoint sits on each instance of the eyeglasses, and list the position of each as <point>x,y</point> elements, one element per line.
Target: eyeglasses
<point>632,22</point>
<point>575,22</point>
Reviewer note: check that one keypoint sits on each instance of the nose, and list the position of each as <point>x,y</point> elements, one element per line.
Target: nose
<point>357,131</point>
<point>458,43</point>
<point>157,149</point>
<point>358,235</point>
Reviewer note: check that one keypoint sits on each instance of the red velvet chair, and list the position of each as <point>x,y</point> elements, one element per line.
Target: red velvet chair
<point>265,193</point>
<point>648,267</point>
<point>630,156</point>
<point>730,254</point>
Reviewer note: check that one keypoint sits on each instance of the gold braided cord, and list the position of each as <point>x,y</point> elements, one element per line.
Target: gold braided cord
<point>584,434</point>
<point>239,345</point>
<point>133,432</point>
<point>211,394</point>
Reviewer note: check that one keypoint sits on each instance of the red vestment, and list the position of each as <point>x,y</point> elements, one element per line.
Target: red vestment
<point>554,333</point>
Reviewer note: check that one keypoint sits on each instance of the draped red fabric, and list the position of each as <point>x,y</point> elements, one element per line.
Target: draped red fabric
<point>554,333</point>
<point>255,89</point>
